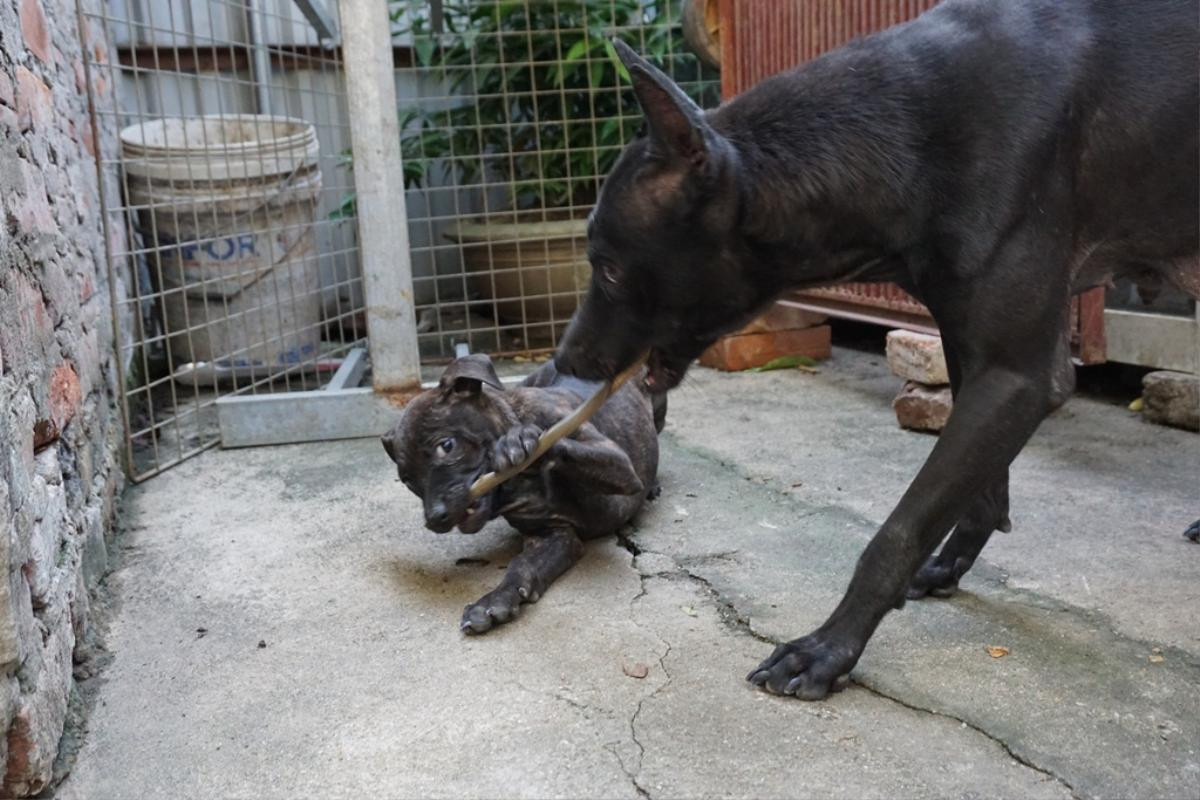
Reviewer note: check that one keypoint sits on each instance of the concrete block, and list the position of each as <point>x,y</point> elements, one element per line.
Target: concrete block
<point>917,357</point>
<point>1172,398</point>
<point>923,408</point>
<point>747,350</point>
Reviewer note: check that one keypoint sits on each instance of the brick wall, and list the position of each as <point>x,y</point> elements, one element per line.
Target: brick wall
<point>60,427</point>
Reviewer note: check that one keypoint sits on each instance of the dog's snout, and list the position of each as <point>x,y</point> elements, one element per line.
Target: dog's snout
<point>437,515</point>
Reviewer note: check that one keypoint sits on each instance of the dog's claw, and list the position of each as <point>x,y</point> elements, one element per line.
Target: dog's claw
<point>515,445</point>
<point>809,668</point>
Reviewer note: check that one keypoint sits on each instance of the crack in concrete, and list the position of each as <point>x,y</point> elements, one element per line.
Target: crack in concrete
<point>983,571</point>
<point>972,726</point>
<point>739,623</point>
<point>634,776</point>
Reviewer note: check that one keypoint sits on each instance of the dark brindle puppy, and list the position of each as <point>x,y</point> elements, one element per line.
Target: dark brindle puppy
<point>992,157</point>
<point>588,485</point>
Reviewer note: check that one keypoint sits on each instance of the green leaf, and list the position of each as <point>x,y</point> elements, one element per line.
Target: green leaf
<point>424,47</point>
<point>785,362</point>
<point>577,51</point>
<point>616,60</point>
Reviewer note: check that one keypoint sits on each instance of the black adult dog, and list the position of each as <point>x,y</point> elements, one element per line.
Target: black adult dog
<point>587,485</point>
<point>991,157</point>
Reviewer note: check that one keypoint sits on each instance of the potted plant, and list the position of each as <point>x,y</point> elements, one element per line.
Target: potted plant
<point>545,112</point>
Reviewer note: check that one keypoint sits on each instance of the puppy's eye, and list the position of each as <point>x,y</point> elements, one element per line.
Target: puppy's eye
<point>445,446</point>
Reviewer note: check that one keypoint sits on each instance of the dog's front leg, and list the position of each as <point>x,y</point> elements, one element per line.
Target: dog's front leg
<point>543,558</point>
<point>588,459</point>
<point>996,411</point>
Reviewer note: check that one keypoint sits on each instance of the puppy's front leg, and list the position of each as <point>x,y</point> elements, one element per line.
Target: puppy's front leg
<point>543,559</point>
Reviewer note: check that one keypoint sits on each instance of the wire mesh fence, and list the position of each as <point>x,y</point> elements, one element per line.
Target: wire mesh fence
<point>512,112</point>
<point>234,130</point>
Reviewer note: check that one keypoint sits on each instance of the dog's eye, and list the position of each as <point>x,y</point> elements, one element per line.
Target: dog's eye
<point>446,445</point>
<point>609,273</point>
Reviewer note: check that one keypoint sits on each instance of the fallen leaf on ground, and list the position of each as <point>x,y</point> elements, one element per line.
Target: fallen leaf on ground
<point>785,362</point>
<point>691,612</point>
<point>1156,659</point>
<point>996,651</point>
<point>636,670</point>
<point>1137,405</point>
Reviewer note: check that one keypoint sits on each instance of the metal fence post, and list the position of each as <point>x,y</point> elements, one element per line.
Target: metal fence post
<point>379,185</point>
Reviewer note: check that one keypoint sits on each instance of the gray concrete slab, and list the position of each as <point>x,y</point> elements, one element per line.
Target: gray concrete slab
<point>365,687</point>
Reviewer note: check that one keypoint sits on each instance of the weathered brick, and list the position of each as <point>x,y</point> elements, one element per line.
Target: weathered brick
<point>747,350</point>
<point>1172,398</point>
<point>44,544</point>
<point>32,209</point>
<point>64,395</point>
<point>923,408</point>
<point>917,357</point>
<point>780,317</point>
<point>19,440</point>
<point>34,30</point>
<point>95,547</point>
<point>38,723</point>
<point>7,96</point>
<point>35,107</point>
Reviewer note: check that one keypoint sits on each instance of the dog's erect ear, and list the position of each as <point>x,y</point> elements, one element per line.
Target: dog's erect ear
<point>466,375</point>
<point>677,126</point>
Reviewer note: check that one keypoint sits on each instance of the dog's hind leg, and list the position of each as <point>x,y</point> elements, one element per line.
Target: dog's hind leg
<point>544,558</point>
<point>939,575</point>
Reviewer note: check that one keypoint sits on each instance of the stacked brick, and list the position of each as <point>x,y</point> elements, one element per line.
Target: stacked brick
<point>924,404</point>
<point>59,422</point>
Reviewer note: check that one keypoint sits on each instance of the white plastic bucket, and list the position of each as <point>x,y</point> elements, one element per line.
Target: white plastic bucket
<point>228,205</point>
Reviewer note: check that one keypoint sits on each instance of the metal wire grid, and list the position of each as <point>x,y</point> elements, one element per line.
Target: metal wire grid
<point>512,112</point>
<point>192,339</point>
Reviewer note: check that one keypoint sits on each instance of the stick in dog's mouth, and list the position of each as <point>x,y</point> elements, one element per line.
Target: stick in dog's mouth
<point>560,430</point>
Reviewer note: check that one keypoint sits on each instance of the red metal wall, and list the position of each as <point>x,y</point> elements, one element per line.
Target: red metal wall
<point>762,37</point>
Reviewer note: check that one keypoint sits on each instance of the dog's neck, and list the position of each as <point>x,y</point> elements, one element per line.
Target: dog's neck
<point>825,187</point>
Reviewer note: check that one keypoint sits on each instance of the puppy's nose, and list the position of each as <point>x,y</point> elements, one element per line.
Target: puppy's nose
<point>438,515</point>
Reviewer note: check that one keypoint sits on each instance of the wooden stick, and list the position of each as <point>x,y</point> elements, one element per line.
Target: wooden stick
<point>560,430</point>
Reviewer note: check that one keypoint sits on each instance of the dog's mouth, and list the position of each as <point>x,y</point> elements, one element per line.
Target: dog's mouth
<point>664,372</point>
<point>476,515</point>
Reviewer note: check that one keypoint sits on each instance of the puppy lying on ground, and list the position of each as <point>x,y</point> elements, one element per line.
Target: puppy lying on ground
<point>588,485</point>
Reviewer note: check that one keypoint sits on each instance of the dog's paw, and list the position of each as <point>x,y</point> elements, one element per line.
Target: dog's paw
<point>515,446</point>
<point>1193,532</point>
<point>809,668</point>
<point>654,493</point>
<point>497,607</point>
<point>937,577</point>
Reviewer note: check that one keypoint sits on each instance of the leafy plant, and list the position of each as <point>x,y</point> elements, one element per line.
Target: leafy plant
<point>545,104</point>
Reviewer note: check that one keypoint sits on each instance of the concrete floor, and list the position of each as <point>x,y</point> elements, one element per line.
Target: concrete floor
<point>331,664</point>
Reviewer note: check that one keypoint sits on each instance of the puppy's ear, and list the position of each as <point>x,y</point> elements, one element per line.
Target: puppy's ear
<point>390,441</point>
<point>678,130</point>
<point>465,376</point>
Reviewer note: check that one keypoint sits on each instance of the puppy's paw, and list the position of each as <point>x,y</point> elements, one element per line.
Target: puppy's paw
<point>515,446</point>
<point>1193,532</point>
<point>496,608</point>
